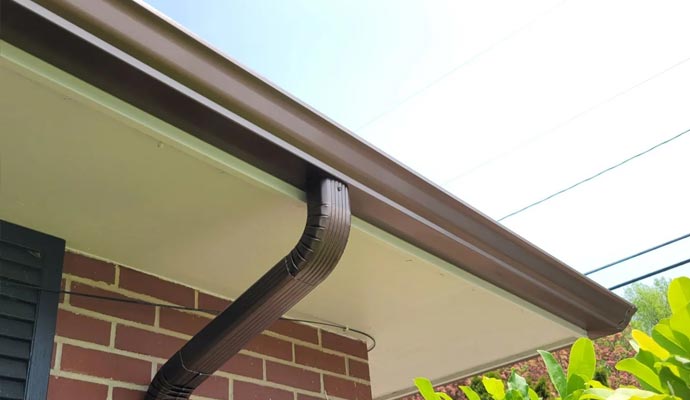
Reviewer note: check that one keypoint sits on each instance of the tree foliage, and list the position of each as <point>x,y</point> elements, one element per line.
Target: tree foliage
<point>651,302</point>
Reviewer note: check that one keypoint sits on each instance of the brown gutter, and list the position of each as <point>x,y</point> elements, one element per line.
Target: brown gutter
<point>216,100</point>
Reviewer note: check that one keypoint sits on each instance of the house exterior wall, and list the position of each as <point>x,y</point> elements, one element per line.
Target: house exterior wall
<point>106,350</point>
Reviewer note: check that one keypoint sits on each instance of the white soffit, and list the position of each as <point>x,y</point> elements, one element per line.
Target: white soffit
<point>117,183</point>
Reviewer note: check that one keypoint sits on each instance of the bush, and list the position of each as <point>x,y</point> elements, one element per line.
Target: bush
<point>601,375</point>
<point>662,362</point>
<point>477,385</point>
<point>661,366</point>
<point>541,388</point>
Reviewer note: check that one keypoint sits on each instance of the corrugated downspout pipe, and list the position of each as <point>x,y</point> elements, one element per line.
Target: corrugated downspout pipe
<point>308,264</point>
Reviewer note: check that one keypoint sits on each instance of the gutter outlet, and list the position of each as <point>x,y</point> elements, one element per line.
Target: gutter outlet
<point>291,279</point>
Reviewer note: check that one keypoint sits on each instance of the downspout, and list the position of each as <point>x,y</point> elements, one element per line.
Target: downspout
<point>291,279</point>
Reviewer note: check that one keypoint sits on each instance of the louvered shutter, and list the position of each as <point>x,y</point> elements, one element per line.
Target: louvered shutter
<point>27,315</point>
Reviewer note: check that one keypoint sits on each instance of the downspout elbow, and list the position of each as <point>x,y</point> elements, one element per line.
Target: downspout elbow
<point>313,258</point>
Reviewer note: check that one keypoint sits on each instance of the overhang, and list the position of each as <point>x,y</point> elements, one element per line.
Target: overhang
<point>137,143</point>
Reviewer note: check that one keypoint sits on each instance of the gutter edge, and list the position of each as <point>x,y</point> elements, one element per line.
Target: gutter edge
<point>416,210</point>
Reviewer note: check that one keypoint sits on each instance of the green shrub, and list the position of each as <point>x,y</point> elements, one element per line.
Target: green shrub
<point>477,385</point>
<point>517,389</point>
<point>541,388</point>
<point>662,362</point>
<point>581,366</point>
<point>601,375</point>
<point>661,365</point>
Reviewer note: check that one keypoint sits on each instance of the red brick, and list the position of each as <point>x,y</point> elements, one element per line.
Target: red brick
<point>130,312</point>
<point>215,387</point>
<point>150,285</point>
<point>346,389</point>
<point>249,391</point>
<point>295,330</point>
<point>89,268</point>
<point>340,387</point>
<point>244,365</point>
<point>301,396</point>
<point>65,389</point>
<point>182,322</point>
<point>144,342</point>
<point>358,369</point>
<point>81,327</point>
<point>271,346</point>
<point>318,359</point>
<point>363,391</point>
<point>105,365</point>
<point>293,376</point>
<point>344,344</point>
<point>128,394</point>
<point>210,302</point>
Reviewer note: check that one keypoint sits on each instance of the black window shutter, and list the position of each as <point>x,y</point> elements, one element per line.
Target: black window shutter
<point>27,316</point>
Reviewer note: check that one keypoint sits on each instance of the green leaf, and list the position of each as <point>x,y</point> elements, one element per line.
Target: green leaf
<point>680,323</point>
<point>676,385</point>
<point>518,383</point>
<point>469,393</point>
<point>426,389</point>
<point>648,344</point>
<point>623,394</point>
<point>679,366</point>
<point>513,394</point>
<point>682,361</point>
<point>582,361</point>
<point>575,395</point>
<point>575,382</point>
<point>679,294</point>
<point>531,394</point>
<point>555,372</point>
<point>647,377</point>
<point>678,327</point>
<point>494,387</point>
<point>597,394</point>
<point>596,385</point>
<point>670,366</point>
<point>664,335</point>
<point>647,358</point>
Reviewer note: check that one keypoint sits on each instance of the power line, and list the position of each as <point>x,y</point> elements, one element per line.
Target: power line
<point>650,274</point>
<point>568,121</point>
<point>638,254</point>
<point>450,72</point>
<point>153,304</point>
<point>598,174</point>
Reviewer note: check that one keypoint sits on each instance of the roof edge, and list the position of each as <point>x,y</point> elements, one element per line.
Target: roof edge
<point>170,74</point>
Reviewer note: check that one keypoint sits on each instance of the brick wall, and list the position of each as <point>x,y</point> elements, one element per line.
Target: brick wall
<point>107,350</point>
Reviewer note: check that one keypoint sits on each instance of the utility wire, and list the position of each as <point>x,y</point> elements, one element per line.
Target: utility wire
<point>206,310</point>
<point>453,70</point>
<point>650,274</point>
<point>598,174</point>
<point>568,121</point>
<point>638,254</point>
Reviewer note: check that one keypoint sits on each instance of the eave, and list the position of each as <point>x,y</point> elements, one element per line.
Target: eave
<point>128,51</point>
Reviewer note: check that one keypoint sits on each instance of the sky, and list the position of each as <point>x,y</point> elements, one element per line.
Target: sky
<point>501,103</point>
